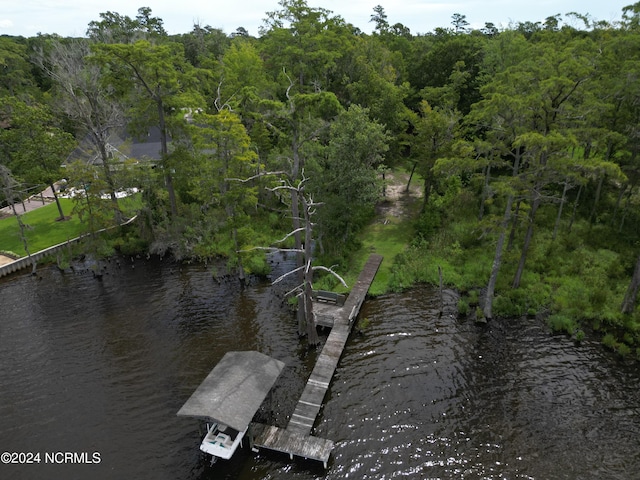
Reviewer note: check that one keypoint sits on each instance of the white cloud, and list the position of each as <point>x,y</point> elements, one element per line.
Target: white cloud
<point>5,23</point>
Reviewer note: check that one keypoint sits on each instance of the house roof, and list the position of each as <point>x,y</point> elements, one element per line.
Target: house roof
<point>234,390</point>
<point>123,145</point>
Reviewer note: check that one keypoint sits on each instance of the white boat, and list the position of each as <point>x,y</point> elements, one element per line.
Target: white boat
<point>221,441</point>
<point>228,398</point>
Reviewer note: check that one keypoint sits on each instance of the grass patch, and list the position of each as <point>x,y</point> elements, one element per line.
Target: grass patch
<point>387,239</point>
<point>43,230</point>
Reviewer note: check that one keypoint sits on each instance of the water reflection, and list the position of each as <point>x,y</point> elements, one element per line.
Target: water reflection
<point>104,366</point>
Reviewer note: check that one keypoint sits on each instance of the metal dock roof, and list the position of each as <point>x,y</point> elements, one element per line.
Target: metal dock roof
<point>234,390</point>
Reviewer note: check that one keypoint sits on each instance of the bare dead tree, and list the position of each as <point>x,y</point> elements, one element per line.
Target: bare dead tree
<point>304,289</point>
<point>86,101</point>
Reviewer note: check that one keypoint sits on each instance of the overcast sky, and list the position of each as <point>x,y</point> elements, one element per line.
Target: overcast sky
<point>71,17</point>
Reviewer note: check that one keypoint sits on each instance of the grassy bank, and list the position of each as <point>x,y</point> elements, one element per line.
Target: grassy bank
<point>388,239</point>
<point>577,280</point>
<point>389,234</point>
<point>43,230</point>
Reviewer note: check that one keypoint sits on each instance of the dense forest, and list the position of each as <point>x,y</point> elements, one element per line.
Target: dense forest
<point>525,142</point>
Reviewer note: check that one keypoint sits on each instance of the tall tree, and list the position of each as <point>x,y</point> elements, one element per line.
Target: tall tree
<point>36,147</point>
<point>436,131</point>
<point>299,121</point>
<point>222,155</point>
<point>307,42</point>
<point>379,18</point>
<point>117,28</point>
<point>91,105</point>
<point>154,79</point>
<point>348,186</point>
<point>17,80</point>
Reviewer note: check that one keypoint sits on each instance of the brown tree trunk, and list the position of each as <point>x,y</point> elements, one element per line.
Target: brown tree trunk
<point>559,216</point>
<point>527,243</point>
<point>55,196</point>
<point>575,209</point>
<point>413,170</point>
<point>596,200</point>
<point>117,213</point>
<point>168,177</point>
<point>497,261</point>
<point>629,302</point>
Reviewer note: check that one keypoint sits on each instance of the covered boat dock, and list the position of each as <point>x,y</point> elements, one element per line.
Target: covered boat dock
<point>234,390</point>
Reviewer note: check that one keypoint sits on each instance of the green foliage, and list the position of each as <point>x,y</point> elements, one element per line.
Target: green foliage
<point>562,323</point>
<point>43,230</point>
<point>463,307</point>
<point>496,119</point>
<point>349,186</point>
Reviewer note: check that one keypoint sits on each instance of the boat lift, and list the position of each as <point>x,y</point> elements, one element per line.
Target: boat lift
<point>228,398</point>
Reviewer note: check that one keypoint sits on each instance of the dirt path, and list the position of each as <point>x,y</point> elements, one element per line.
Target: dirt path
<point>398,203</point>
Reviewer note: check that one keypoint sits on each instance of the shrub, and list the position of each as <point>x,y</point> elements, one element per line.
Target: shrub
<point>503,306</point>
<point>562,323</point>
<point>609,341</point>
<point>463,307</point>
<point>474,297</point>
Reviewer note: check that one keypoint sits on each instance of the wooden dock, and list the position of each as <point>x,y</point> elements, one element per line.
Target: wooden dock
<point>296,439</point>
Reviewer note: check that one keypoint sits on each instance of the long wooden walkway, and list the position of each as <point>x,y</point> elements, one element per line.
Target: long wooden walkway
<point>296,439</point>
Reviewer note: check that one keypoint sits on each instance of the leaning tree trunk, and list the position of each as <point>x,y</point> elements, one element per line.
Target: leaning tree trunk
<point>575,209</point>
<point>497,261</point>
<point>58,204</point>
<point>559,216</point>
<point>514,226</point>
<point>485,191</point>
<point>413,170</point>
<point>629,302</point>
<point>596,200</point>
<point>527,243</point>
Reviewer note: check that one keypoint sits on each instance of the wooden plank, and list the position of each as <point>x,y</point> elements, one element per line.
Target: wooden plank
<point>291,442</point>
<point>296,439</point>
<point>303,417</point>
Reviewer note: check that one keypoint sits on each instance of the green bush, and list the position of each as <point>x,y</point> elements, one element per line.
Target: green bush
<point>463,307</point>
<point>562,323</point>
<point>609,341</point>
<point>503,306</point>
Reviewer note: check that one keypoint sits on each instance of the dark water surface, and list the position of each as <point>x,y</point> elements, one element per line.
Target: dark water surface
<point>102,366</point>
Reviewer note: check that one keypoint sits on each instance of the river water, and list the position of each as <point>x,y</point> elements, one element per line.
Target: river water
<point>99,368</point>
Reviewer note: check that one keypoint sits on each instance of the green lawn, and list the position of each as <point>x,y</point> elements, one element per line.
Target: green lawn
<point>44,230</point>
<point>387,240</point>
